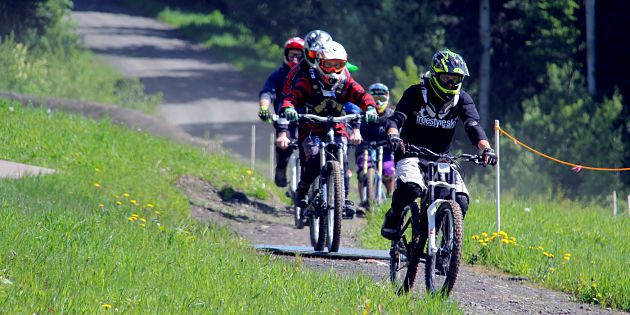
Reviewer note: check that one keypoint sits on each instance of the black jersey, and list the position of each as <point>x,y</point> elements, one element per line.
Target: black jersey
<point>423,124</point>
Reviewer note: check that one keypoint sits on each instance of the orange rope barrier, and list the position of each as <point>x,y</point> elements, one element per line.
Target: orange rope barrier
<point>576,167</point>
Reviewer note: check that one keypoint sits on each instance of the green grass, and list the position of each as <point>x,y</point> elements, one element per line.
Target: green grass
<point>574,247</point>
<point>69,72</point>
<point>111,230</point>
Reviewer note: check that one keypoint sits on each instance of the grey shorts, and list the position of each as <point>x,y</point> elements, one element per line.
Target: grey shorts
<point>408,171</point>
<point>310,144</point>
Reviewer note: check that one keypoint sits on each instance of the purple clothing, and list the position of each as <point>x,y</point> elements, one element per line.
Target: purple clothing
<point>388,163</point>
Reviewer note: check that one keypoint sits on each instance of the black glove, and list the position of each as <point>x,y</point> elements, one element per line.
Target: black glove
<point>489,157</point>
<point>264,115</point>
<point>394,142</point>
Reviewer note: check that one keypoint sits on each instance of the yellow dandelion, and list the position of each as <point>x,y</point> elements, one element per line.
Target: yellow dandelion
<point>484,234</point>
<point>502,233</point>
<point>156,212</point>
<point>135,215</point>
<point>512,238</point>
<point>566,257</point>
<point>598,295</point>
<point>101,205</point>
<point>106,306</point>
<point>593,284</point>
<point>567,254</point>
<point>117,196</point>
<point>552,269</point>
<point>495,234</point>
<point>505,241</point>
<point>132,218</point>
<point>97,185</point>
<point>481,241</point>
<point>97,169</point>
<point>249,172</point>
<point>143,219</point>
<point>150,205</point>
<point>142,224</point>
<point>484,244</point>
<point>539,248</point>
<point>592,261</point>
<point>133,201</point>
<point>118,203</point>
<point>126,194</point>
<point>63,166</point>
<point>475,237</point>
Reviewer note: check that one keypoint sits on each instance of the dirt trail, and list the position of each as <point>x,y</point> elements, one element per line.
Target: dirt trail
<point>109,27</point>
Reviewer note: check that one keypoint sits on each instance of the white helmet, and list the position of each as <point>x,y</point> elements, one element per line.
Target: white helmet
<point>330,62</point>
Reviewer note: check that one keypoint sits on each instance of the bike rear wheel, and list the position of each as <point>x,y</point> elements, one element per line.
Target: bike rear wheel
<point>335,203</point>
<point>442,268</point>
<point>370,182</point>
<point>298,213</point>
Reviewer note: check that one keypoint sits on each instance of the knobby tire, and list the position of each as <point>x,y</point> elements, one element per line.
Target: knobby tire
<point>449,231</point>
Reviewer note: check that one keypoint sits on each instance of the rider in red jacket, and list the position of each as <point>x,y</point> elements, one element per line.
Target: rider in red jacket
<point>323,91</point>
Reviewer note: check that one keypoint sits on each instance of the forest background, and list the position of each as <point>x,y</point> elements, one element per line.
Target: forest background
<point>537,74</point>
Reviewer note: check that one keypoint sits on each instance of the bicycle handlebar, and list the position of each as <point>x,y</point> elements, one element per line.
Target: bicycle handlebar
<point>329,119</point>
<point>424,152</point>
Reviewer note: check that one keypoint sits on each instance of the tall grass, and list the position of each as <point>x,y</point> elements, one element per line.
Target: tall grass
<point>69,72</point>
<point>110,232</point>
<point>576,247</point>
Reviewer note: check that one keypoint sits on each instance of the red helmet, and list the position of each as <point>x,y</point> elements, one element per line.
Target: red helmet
<point>293,48</point>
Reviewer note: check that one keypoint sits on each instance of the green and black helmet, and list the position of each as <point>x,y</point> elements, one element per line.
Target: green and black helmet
<point>447,73</point>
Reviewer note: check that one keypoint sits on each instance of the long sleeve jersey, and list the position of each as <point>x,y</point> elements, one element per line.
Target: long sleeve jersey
<point>308,95</point>
<point>433,127</point>
<point>272,90</point>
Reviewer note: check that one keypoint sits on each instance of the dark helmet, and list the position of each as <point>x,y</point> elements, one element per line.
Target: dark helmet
<point>447,73</point>
<point>313,42</point>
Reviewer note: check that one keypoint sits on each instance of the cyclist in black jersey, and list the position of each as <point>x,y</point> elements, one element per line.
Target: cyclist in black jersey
<point>426,116</point>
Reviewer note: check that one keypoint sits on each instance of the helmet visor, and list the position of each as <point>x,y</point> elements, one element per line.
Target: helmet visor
<point>381,99</point>
<point>330,66</point>
<point>450,81</point>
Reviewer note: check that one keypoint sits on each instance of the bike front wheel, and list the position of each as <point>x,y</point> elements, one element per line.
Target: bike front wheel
<point>407,253</point>
<point>335,203</point>
<point>442,268</point>
<point>317,224</point>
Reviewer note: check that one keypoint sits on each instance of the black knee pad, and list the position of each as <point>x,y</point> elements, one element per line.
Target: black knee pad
<point>462,200</point>
<point>405,194</point>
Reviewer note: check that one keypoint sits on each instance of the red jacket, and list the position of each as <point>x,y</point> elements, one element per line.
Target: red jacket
<point>308,95</point>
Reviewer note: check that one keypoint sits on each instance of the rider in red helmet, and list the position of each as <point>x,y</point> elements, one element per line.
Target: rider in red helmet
<point>272,93</point>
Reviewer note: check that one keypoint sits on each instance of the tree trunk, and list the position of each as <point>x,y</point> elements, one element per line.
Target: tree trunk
<point>484,71</point>
<point>590,46</point>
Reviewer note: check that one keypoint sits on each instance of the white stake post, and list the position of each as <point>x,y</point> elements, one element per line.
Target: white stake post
<point>497,148</point>
<point>629,205</point>
<point>271,154</point>
<point>253,148</point>
<point>614,202</point>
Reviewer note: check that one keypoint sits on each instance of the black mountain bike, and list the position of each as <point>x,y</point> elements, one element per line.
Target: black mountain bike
<point>436,234</point>
<point>327,197</point>
<point>294,171</point>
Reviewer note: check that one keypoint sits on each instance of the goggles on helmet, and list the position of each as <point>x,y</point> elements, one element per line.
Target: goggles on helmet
<point>330,66</point>
<point>294,55</point>
<point>450,81</point>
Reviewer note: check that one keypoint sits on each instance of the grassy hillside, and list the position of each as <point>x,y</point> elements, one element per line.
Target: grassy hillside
<point>110,230</point>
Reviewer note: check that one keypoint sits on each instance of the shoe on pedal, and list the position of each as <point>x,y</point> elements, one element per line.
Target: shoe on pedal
<point>281,177</point>
<point>300,200</point>
<point>349,210</point>
<point>391,226</point>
